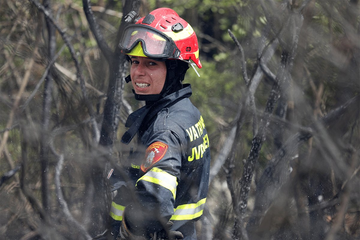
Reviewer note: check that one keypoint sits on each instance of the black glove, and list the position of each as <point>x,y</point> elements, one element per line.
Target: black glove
<point>125,234</point>
<point>167,233</point>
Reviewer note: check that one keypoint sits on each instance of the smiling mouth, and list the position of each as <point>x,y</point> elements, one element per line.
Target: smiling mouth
<point>142,85</point>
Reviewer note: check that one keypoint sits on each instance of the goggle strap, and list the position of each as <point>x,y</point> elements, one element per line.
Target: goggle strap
<point>131,17</point>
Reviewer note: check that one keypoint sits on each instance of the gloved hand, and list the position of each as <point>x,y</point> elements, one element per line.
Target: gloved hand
<point>167,234</point>
<point>125,234</point>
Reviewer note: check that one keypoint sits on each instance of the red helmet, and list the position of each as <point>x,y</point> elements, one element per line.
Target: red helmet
<point>161,34</point>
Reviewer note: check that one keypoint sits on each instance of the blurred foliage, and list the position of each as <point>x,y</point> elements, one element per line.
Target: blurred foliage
<point>324,75</point>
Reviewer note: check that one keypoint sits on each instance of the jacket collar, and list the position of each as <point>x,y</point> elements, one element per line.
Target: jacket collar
<point>150,110</point>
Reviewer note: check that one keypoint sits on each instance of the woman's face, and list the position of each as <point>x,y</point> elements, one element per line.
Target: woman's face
<point>147,75</point>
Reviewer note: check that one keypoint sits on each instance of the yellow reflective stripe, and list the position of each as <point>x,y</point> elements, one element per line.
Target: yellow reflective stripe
<point>116,211</point>
<point>189,211</point>
<point>162,178</point>
<point>186,32</point>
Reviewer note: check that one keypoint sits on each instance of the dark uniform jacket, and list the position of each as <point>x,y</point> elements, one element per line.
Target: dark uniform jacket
<point>169,169</point>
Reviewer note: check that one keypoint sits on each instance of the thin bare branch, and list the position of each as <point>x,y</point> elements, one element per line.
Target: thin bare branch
<point>224,153</point>
<point>346,189</point>
<point>239,229</point>
<point>95,29</point>
<point>278,171</point>
<point>72,77</point>
<point>96,132</point>
<point>28,66</point>
<point>36,89</point>
<point>118,72</point>
<point>258,140</point>
<point>60,195</point>
<point>271,76</point>
<point>243,60</point>
<point>46,220</point>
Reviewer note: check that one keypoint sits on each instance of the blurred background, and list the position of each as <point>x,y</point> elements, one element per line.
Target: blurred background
<point>278,90</point>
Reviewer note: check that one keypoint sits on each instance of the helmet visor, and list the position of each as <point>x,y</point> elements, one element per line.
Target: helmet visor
<point>155,44</point>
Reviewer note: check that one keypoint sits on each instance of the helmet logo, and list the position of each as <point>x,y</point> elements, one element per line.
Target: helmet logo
<point>177,27</point>
<point>188,49</point>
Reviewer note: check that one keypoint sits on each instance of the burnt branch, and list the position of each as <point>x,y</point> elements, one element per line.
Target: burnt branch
<point>117,71</point>
<point>345,198</point>
<point>95,29</point>
<point>224,153</point>
<point>282,77</point>
<point>256,144</point>
<point>243,61</point>
<point>333,116</point>
<point>46,111</point>
<point>28,66</point>
<point>275,175</point>
<point>70,219</point>
<point>265,55</point>
<point>41,81</point>
<point>47,225</point>
<point>77,65</point>
<point>277,172</point>
<point>270,76</point>
<point>239,229</point>
<point>9,175</point>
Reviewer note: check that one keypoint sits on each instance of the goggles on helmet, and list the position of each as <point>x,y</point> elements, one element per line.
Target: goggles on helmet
<point>155,44</point>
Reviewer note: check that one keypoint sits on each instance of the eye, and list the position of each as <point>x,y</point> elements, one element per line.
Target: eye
<point>134,61</point>
<point>152,63</point>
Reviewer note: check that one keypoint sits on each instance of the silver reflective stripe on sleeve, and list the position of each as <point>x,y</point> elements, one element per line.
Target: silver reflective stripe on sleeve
<point>116,211</point>
<point>162,178</point>
<point>189,211</point>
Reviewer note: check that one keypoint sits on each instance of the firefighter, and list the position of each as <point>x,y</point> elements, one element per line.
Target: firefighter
<point>169,168</point>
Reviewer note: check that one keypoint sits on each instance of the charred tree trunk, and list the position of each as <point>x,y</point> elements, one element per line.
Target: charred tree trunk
<point>46,113</point>
<point>288,38</point>
<point>117,68</point>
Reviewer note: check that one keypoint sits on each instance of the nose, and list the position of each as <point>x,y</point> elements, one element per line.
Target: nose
<point>140,68</point>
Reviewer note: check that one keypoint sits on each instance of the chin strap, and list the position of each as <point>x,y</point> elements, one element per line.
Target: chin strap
<point>147,98</point>
<point>128,79</point>
<point>193,66</point>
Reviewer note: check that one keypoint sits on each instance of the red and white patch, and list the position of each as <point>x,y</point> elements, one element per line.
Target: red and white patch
<point>154,153</point>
